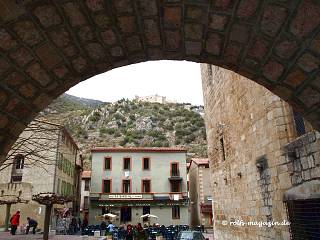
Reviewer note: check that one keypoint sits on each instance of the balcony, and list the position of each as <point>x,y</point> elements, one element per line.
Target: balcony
<point>175,176</point>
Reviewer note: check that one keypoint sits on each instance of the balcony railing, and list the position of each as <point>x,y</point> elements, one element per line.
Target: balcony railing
<point>175,173</point>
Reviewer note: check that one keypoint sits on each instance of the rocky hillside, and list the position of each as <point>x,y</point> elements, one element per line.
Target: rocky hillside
<point>130,123</point>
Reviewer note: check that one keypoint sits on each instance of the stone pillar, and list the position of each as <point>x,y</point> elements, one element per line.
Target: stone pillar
<point>8,208</point>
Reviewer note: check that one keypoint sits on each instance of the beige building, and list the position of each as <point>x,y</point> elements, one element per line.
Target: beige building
<point>85,193</point>
<point>45,156</point>
<point>131,182</point>
<point>200,193</point>
<point>264,161</point>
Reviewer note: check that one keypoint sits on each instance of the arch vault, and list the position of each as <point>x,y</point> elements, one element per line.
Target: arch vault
<point>48,46</point>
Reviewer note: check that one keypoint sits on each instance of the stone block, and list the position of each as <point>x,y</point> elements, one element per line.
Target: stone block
<point>195,13</point>
<point>3,97</point>
<point>70,51</point>
<point>95,5</point>
<point>102,20</point>
<point>286,48</point>
<point>223,4</point>
<point>172,17</point>
<point>14,79</point>
<point>123,6</point>
<point>218,22</point>
<point>295,77</point>
<point>308,62</point>
<point>60,37</point>
<point>74,14</point>
<point>272,19</point>
<point>109,37</point>
<point>85,34</point>
<point>310,97</point>
<point>306,19</point>
<point>27,90</point>
<point>193,31</point>
<point>148,7</point>
<point>315,173</point>
<point>306,175</point>
<point>21,56</point>
<point>239,33</point>
<point>284,181</point>
<point>38,74</point>
<point>152,32</point>
<point>7,42</point>
<point>214,43</point>
<point>3,121</point>
<point>48,56</point>
<point>79,64</point>
<point>133,44</point>
<point>95,51</point>
<point>61,71</point>
<point>273,70</point>
<point>172,40</point>
<point>247,8</point>
<point>47,15</point>
<point>127,24</point>
<point>28,32</point>
<point>4,66</point>
<point>193,48</point>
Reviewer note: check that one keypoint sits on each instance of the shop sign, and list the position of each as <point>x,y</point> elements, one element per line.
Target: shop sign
<point>125,196</point>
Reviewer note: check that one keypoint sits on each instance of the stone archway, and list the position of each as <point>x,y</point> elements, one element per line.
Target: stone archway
<point>49,46</point>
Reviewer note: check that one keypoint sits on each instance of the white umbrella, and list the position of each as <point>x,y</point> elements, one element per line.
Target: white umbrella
<point>110,215</point>
<point>148,216</point>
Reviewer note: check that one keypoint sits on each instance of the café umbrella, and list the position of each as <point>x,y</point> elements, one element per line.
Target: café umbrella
<point>110,215</point>
<point>148,216</point>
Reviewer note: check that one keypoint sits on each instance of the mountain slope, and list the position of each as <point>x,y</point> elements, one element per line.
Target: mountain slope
<point>130,123</point>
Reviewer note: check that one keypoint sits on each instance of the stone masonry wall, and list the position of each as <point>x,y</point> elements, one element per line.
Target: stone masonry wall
<point>303,158</point>
<point>247,128</point>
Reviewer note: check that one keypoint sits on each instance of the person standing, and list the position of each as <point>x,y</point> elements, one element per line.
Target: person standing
<point>31,224</point>
<point>110,227</point>
<point>103,228</point>
<point>14,221</point>
<point>129,232</point>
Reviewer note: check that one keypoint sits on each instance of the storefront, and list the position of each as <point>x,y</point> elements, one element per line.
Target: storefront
<point>129,208</point>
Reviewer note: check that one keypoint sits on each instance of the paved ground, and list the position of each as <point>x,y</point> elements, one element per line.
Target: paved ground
<point>7,236</point>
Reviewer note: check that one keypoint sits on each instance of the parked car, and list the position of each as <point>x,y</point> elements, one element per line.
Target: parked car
<point>189,235</point>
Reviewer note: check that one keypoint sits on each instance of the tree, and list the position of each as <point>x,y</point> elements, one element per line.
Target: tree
<point>41,146</point>
<point>9,200</point>
<point>48,199</point>
<point>36,146</point>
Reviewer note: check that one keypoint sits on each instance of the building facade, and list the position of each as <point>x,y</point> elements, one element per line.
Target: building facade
<point>264,160</point>
<point>45,156</point>
<point>85,193</point>
<point>154,99</point>
<point>131,182</point>
<point>200,193</point>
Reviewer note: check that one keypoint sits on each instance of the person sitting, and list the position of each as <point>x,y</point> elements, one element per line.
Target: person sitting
<point>31,224</point>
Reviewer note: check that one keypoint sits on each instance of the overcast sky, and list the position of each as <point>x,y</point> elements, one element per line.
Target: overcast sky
<point>177,80</point>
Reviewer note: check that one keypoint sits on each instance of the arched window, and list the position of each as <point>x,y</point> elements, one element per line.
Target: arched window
<point>19,161</point>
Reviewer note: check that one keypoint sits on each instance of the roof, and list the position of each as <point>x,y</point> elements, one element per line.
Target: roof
<point>200,161</point>
<point>139,149</point>
<point>86,174</point>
